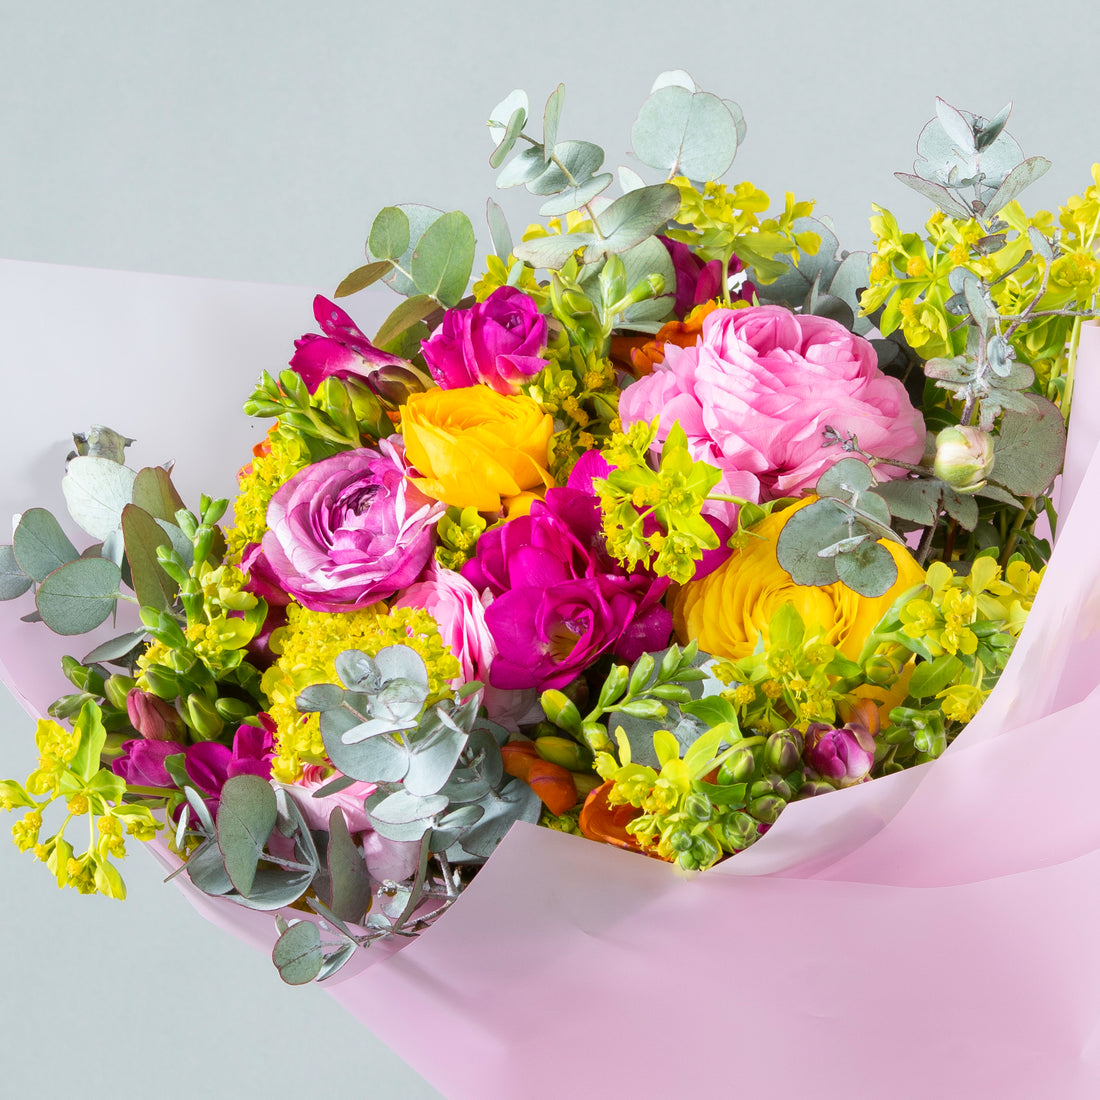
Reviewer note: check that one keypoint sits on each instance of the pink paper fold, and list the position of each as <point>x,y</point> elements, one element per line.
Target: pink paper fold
<point>931,934</point>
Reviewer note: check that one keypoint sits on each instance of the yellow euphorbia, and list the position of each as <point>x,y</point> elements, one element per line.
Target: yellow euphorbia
<point>729,610</point>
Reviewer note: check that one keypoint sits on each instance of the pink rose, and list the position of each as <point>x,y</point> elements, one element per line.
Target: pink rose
<point>496,343</point>
<point>759,387</point>
<point>349,530</point>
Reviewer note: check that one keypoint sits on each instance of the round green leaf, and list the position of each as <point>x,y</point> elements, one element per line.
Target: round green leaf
<point>550,118</point>
<point>633,217</point>
<point>96,490</point>
<point>444,258</point>
<point>40,546</point>
<point>575,162</point>
<point>420,217</point>
<point>508,140</point>
<point>574,198</point>
<point>499,232</point>
<point>246,815</point>
<point>685,133</point>
<point>362,277</point>
<point>297,953</point>
<point>79,596</point>
<point>810,529</point>
<point>13,581</point>
<point>869,569</point>
<point>389,235</point>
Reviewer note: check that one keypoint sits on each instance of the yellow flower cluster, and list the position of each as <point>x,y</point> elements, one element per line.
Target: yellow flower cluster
<point>276,461</point>
<point>308,647</point>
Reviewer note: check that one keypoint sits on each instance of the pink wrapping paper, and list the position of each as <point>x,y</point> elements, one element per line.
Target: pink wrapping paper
<point>929,934</point>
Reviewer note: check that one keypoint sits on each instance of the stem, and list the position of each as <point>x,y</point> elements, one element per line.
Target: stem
<point>1015,529</point>
<point>949,541</point>
<point>925,545</point>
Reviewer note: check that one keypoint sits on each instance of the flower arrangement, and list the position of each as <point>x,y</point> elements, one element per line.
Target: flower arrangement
<point>684,514</point>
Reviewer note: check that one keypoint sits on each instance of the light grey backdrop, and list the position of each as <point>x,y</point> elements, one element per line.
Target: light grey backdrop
<point>255,140</point>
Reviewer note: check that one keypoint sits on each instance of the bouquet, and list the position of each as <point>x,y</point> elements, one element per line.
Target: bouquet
<point>683,517</point>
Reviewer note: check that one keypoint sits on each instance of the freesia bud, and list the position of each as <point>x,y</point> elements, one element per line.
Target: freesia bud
<point>155,719</point>
<point>964,457</point>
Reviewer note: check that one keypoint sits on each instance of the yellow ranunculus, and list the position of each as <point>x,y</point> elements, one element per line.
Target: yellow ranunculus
<point>730,608</point>
<point>476,448</point>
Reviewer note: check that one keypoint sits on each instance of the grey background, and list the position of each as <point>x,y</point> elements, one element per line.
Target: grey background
<point>255,141</point>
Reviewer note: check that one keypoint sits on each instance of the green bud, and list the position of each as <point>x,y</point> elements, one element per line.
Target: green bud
<point>613,280</point>
<point>116,688</point>
<point>565,752</point>
<point>613,686</point>
<point>75,672</point>
<point>783,751</point>
<point>771,784</point>
<point>767,809</point>
<point>671,693</point>
<point>644,708</point>
<point>561,710</point>
<point>233,710</point>
<point>813,787</point>
<point>162,681</point>
<point>595,737</point>
<point>641,673</point>
<point>964,457</point>
<point>698,807</point>
<point>739,831</point>
<point>738,768</point>
<point>680,840</point>
<point>203,718</point>
<point>880,670</point>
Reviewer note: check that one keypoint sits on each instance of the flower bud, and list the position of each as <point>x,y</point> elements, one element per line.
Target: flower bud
<point>155,719</point>
<point>738,768</point>
<point>783,751</point>
<point>964,457</point>
<point>767,809</point>
<point>116,688</point>
<point>203,718</point>
<point>566,752</point>
<point>739,831</point>
<point>841,756</point>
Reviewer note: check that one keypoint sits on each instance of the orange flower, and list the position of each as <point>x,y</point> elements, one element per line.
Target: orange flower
<point>681,333</point>
<point>476,448</point>
<point>551,782</point>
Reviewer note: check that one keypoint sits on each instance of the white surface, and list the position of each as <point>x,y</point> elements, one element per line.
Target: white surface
<point>255,140</point>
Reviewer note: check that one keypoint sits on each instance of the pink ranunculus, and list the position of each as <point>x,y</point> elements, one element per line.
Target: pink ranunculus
<point>343,352</point>
<point>349,530</point>
<point>756,392</point>
<point>496,343</point>
<point>453,602</point>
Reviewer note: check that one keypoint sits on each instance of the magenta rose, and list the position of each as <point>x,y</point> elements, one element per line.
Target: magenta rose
<point>496,343</point>
<point>756,392</point>
<point>343,352</point>
<point>142,762</point>
<point>349,530</point>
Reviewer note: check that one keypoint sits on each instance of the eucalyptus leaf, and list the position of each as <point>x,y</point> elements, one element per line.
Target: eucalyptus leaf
<point>143,537</point>
<point>273,889</point>
<point>649,258</point>
<point>336,960</point>
<point>844,478</point>
<point>1029,451</point>
<point>516,801</point>
<point>961,507</point>
<point>433,759</point>
<point>573,163</point>
<point>407,314</point>
<point>938,194</point>
<point>389,234</point>
<point>508,138</point>
<point>551,116</point>
<point>522,168</point>
<point>319,697</point>
<point>206,870</point>
<point>419,218</point>
<point>553,251</point>
<point>956,127</point>
<point>40,546</point>
<point>501,114</point>
<point>869,569</point>
<point>403,807</point>
<point>685,133</point>
<point>13,581</point>
<point>444,258</point>
<point>297,953</point>
<point>991,129</point>
<point>362,277</point>
<point>499,233</point>
<point>573,198</point>
<point>350,884</point>
<point>1039,244</point>
<point>629,180</point>
<point>80,595</point>
<point>102,442</point>
<point>915,501</point>
<point>633,217</point>
<point>809,530</point>
<point>115,648</point>
<point>154,492</point>
<point>246,815</point>
<point>674,78</point>
<point>96,490</point>
<point>375,760</point>
<point>1020,178</point>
